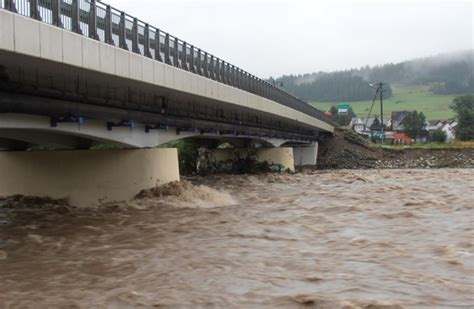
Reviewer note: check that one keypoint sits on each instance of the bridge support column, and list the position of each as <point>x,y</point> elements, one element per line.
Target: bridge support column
<point>306,155</point>
<point>86,178</point>
<point>281,157</point>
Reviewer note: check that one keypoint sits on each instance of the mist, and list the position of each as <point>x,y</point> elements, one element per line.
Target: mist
<point>272,38</point>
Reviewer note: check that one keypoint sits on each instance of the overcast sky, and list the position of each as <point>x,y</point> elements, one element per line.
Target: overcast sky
<point>275,37</point>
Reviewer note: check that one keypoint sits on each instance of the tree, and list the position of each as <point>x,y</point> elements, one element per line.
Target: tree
<point>439,136</point>
<point>463,106</point>
<point>414,123</point>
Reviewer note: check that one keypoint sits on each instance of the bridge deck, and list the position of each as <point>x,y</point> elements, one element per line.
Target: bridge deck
<point>161,74</point>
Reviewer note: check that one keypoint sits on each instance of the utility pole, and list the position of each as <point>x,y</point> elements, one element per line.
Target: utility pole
<point>378,88</point>
<point>381,110</point>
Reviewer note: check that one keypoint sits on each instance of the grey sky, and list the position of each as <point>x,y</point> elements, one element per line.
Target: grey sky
<point>275,37</point>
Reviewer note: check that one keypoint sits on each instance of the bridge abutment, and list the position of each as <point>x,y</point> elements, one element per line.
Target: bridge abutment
<point>87,178</point>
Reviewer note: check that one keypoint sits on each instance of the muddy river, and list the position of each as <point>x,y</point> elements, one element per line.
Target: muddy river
<point>338,239</point>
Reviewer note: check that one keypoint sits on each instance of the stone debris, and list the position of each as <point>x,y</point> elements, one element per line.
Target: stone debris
<point>348,150</point>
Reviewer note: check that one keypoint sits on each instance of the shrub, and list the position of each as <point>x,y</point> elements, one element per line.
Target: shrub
<point>439,136</point>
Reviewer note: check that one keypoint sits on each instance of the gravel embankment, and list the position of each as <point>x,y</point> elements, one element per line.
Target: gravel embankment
<point>347,150</point>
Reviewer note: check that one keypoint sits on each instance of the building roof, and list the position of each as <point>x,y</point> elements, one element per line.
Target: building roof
<point>397,119</point>
<point>434,122</point>
<point>370,122</point>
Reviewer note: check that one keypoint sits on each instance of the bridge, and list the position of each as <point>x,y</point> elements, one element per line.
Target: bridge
<point>78,73</point>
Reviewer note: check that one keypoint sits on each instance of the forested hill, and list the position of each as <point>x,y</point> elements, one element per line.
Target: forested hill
<point>445,74</point>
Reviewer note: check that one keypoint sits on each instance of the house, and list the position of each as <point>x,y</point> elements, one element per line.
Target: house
<point>361,125</point>
<point>397,125</point>
<point>400,138</point>
<point>433,125</point>
<point>447,126</point>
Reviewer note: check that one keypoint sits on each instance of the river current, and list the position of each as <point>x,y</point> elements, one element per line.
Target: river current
<point>321,239</point>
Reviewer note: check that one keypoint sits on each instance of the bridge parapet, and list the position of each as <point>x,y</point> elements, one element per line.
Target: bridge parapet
<point>106,24</point>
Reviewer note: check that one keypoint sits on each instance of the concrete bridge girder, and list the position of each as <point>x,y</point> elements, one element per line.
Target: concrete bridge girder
<point>37,130</point>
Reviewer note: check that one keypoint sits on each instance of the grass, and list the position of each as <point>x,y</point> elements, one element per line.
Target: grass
<point>435,107</point>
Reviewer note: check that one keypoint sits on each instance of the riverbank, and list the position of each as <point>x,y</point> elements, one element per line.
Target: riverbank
<point>347,150</point>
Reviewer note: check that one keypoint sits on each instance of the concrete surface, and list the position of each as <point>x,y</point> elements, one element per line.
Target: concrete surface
<point>87,178</point>
<point>306,155</point>
<point>53,44</point>
<point>280,155</point>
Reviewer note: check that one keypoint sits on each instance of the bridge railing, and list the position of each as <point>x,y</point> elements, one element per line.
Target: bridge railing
<point>102,22</point>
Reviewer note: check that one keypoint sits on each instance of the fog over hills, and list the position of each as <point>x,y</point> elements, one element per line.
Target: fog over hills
<point>450,73</point>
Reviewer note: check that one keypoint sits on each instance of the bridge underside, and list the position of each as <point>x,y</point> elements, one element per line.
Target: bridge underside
<point>22,131</point>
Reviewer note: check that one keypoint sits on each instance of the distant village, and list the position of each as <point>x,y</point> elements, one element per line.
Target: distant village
<point>394,131</point>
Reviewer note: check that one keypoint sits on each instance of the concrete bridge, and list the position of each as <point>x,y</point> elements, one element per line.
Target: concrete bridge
<point>77,73</point>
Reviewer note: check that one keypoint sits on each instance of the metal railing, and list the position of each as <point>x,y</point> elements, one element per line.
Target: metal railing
<point>102,22</point>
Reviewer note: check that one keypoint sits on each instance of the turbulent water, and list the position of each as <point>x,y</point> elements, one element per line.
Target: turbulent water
<point>338,239</point>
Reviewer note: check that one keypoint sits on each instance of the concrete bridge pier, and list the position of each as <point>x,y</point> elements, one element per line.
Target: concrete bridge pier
<point>306,155</point>
<point>281,157</point>
<point>86,177</point>
<point>284,157</point>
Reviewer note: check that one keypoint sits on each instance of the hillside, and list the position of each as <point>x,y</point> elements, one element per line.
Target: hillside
<point>426,84</point>
<point>419,98</point>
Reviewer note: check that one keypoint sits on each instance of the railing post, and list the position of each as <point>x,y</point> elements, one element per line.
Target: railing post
<point>206,65</point>
<point>191,64</point>
<point>212,75</point>
<point>184,58</point>
<point>218,70</point>
<point>93,20</point>
<point>176,53</point>
<point>135,48</point>
<point>123,32</point>
<point>224,79</point>
<point>108,25</point>
<point>231,74</point>
<point>146,43</point>
<point>198,62</point>
<point>56,13</point>
<point>167,49</point>
<point>76,17</point>
<point>10,5</point>
<point>238,78</point>
<point>34,12</point>
<point>157,46</point>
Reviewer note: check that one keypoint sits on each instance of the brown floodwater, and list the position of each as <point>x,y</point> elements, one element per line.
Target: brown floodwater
<point>334,239</point>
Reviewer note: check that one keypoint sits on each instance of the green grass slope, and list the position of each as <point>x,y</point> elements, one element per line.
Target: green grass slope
<point>404,98</point>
